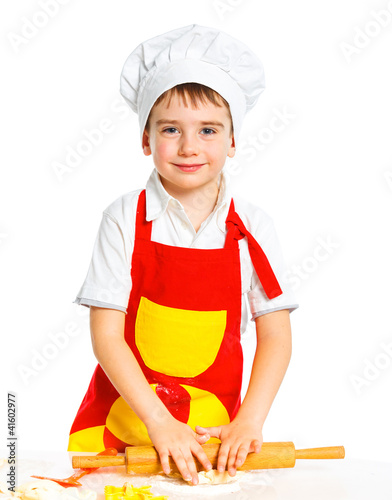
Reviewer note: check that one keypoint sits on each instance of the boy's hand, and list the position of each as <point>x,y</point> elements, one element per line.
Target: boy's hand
<point>237,440</point>
<point>176,439</point>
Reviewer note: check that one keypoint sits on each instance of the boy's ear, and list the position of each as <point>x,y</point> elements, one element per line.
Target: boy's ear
<point>231,151</point>
<point>146,143</point>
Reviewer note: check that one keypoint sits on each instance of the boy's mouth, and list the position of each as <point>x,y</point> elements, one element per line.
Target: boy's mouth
<point>189,167</point>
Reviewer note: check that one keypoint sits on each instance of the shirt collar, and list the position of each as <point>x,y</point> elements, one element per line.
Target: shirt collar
<point>157,199</point>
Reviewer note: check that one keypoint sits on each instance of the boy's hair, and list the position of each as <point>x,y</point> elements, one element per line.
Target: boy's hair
<point>197,94</point>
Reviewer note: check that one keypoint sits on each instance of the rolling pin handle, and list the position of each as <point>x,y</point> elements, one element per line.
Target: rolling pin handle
<point>320,453</point>
<point>95,461</point>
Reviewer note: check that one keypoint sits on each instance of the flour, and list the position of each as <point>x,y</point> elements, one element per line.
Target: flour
<point>206,487</point>
<point>43,489</point>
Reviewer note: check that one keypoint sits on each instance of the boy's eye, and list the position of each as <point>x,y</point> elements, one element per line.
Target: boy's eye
<point>208,131</point>
<point>170,130</point>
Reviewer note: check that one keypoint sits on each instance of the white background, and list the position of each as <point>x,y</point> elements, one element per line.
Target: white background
<point>325,178</point>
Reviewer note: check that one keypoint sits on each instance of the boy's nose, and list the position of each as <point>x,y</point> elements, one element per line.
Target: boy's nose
<point>188,146</point>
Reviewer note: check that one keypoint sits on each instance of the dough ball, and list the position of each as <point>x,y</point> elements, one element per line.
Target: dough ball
<point>215,477</point>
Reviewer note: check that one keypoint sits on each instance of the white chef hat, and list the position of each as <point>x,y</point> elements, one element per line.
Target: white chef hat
<point>195,54</point>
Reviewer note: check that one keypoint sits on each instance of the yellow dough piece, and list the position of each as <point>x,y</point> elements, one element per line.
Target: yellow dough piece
<point>128,491</point>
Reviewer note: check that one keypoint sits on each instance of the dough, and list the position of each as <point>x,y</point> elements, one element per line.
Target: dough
<point>215,477</point>
<point>48,490</point>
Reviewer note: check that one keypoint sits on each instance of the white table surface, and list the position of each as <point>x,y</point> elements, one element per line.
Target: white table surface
<point>346,479</point>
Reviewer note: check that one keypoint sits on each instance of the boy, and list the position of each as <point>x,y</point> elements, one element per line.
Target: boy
<point>167,334</point>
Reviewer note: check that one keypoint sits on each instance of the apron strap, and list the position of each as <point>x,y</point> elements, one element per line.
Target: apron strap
<point>236,230</point>
<point>143,227</point>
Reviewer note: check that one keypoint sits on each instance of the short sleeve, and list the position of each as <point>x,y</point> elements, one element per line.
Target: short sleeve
<point>108,281</point>
<point>259,303</point>
<point>262,228</point>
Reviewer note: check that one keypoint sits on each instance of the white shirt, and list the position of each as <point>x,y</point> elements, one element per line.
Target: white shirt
<point>108,281</point>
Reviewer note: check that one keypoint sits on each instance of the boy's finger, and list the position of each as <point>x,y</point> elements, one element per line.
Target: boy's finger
<point>202,458</point>
<point>242,453</point>
<point>201,439</point>
<point>255,446</point>
<point>192,468</point>
<point>212,431</point>
<point>181,465</point>
<point>164,458</point>
<point>202,430</point>
<point>222,457</point>
<point>231,461</point>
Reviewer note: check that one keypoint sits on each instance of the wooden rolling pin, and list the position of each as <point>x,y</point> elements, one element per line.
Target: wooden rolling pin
<point>145,459</point>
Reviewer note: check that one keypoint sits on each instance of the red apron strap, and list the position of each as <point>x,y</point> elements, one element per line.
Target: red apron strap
<point>236,230</point>
<point>232,233</point>
<point>143,227</point>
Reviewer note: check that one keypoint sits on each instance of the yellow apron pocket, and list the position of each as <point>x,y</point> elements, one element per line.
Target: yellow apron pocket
<point>178,342</point>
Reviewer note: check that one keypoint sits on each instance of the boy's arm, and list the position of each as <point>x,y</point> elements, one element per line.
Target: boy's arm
<point>169,436</point>
<point>244,433</point>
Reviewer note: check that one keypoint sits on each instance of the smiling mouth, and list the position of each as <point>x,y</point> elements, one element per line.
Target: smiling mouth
<point>193,167</point>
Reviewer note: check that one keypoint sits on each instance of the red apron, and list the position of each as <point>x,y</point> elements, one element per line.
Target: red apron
<point>183,326</point>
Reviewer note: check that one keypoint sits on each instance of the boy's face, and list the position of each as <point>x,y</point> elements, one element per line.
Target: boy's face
<point>189,146</point>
